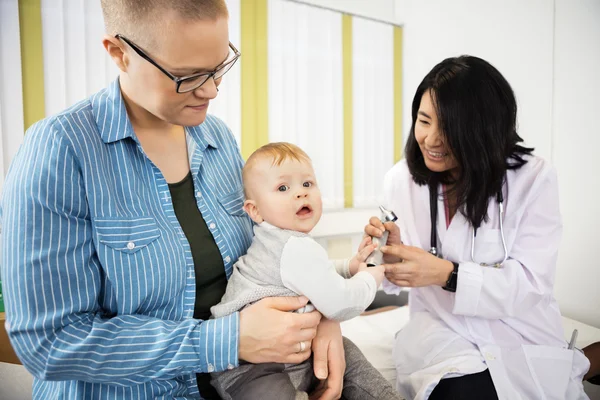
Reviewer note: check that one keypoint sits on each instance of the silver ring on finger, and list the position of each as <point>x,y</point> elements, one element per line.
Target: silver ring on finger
<point>302,347</point>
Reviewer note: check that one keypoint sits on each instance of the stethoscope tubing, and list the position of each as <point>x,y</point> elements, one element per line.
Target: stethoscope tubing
<point>433,194</point>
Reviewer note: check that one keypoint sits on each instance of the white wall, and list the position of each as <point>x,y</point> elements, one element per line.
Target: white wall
<point>576,134</point>
<point>513,35</point>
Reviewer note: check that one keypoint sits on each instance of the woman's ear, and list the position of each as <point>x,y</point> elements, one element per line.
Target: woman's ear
<point>252,210</point>
<point>114,48</point>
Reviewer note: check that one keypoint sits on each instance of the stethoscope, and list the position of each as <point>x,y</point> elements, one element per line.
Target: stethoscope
<point>433,209</point>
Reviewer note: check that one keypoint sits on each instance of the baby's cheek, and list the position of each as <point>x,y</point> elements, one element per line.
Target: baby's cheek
<point>283,218</point>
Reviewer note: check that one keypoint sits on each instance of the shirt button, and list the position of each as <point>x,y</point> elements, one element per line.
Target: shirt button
<point>230,366</point>
<point>489,356</point>
<point>130,245</point>
<point>212,226</point>
<point>227,259</point>
<point>198,194</point>
<point>211,368</point>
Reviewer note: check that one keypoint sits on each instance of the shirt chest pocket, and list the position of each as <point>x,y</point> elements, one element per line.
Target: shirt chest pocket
<point>233,203</point>
<point>135,263</point>
<point>127,235</point>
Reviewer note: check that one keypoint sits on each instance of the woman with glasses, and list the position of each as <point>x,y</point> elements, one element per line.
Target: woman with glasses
<point>476,239</point>
<point>122,220</point>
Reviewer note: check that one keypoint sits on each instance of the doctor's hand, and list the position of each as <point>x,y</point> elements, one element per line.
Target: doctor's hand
<point>416,267</point>
<point>375,228</point>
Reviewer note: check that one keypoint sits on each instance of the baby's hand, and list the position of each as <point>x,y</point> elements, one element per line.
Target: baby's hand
<point>364,250</point>
<point>377,272</point>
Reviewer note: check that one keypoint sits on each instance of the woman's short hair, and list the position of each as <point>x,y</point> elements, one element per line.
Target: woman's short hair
<point>477,116</point>
<point>128,17</point>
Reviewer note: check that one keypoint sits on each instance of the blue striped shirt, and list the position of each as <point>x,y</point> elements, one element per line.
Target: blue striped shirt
<point>98,275</point>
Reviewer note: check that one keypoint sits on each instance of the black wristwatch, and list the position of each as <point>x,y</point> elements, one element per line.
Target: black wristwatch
<point>452,279</point>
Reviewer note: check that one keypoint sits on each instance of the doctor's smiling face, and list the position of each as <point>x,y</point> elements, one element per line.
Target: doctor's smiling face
<point>430,138</point>
<point>464,133</point>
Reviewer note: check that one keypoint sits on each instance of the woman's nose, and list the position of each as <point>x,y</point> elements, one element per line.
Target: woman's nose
<point>433,139</point>
<point>208,90</point>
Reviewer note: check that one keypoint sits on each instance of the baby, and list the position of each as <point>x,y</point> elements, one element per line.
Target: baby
<point>283,199</point>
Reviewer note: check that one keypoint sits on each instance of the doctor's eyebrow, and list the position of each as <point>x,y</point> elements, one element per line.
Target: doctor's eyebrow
<point>423,113</point>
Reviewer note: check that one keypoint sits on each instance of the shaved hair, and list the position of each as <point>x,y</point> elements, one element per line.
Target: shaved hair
<point>129,17</point>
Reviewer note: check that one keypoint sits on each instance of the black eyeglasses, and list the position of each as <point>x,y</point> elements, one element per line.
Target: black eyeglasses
<point>190,82</point>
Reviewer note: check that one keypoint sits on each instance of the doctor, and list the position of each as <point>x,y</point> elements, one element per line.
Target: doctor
<point>477,237</point>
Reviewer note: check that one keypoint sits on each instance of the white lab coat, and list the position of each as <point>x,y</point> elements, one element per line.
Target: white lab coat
<point>506,320</point>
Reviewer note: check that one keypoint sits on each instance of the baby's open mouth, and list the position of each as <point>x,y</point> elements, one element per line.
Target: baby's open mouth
<point>304,210</point>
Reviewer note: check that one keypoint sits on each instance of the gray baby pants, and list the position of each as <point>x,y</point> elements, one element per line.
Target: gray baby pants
<point>272,381</point>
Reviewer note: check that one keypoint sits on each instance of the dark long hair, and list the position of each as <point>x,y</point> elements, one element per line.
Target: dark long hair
<point>477,116</point>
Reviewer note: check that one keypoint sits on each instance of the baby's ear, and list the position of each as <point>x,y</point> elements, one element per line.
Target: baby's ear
<point>252,211</point>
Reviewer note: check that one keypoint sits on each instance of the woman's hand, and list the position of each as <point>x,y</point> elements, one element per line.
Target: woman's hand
<point>416,267</point>
<point>270,333</point>
<point>375,228</point>
<point>329,360</point>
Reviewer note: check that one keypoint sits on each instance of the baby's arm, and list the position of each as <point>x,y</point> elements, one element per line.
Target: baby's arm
<point>306,269</point>
<point>342,267</point>
<point>350,266</point>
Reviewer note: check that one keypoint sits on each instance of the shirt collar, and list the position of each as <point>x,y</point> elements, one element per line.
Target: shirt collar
<point>203,134</point>
<point>111,115</point>
<point>113,122</point>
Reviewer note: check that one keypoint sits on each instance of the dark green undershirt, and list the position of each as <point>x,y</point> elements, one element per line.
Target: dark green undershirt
<point>208,263</point>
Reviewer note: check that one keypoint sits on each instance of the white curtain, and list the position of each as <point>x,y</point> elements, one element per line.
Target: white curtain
<point>11,92</point>
<point>305,89</point>
<point>373,108</point>
<point>76,64</point>
<point>228,104</point>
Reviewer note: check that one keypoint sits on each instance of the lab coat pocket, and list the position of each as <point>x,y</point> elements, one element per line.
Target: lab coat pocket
<point>488,245</point>
<point>550,368</point>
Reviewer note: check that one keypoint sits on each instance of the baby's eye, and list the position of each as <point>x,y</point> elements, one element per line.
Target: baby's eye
<point>307,184</point>
<point>283,188</point>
